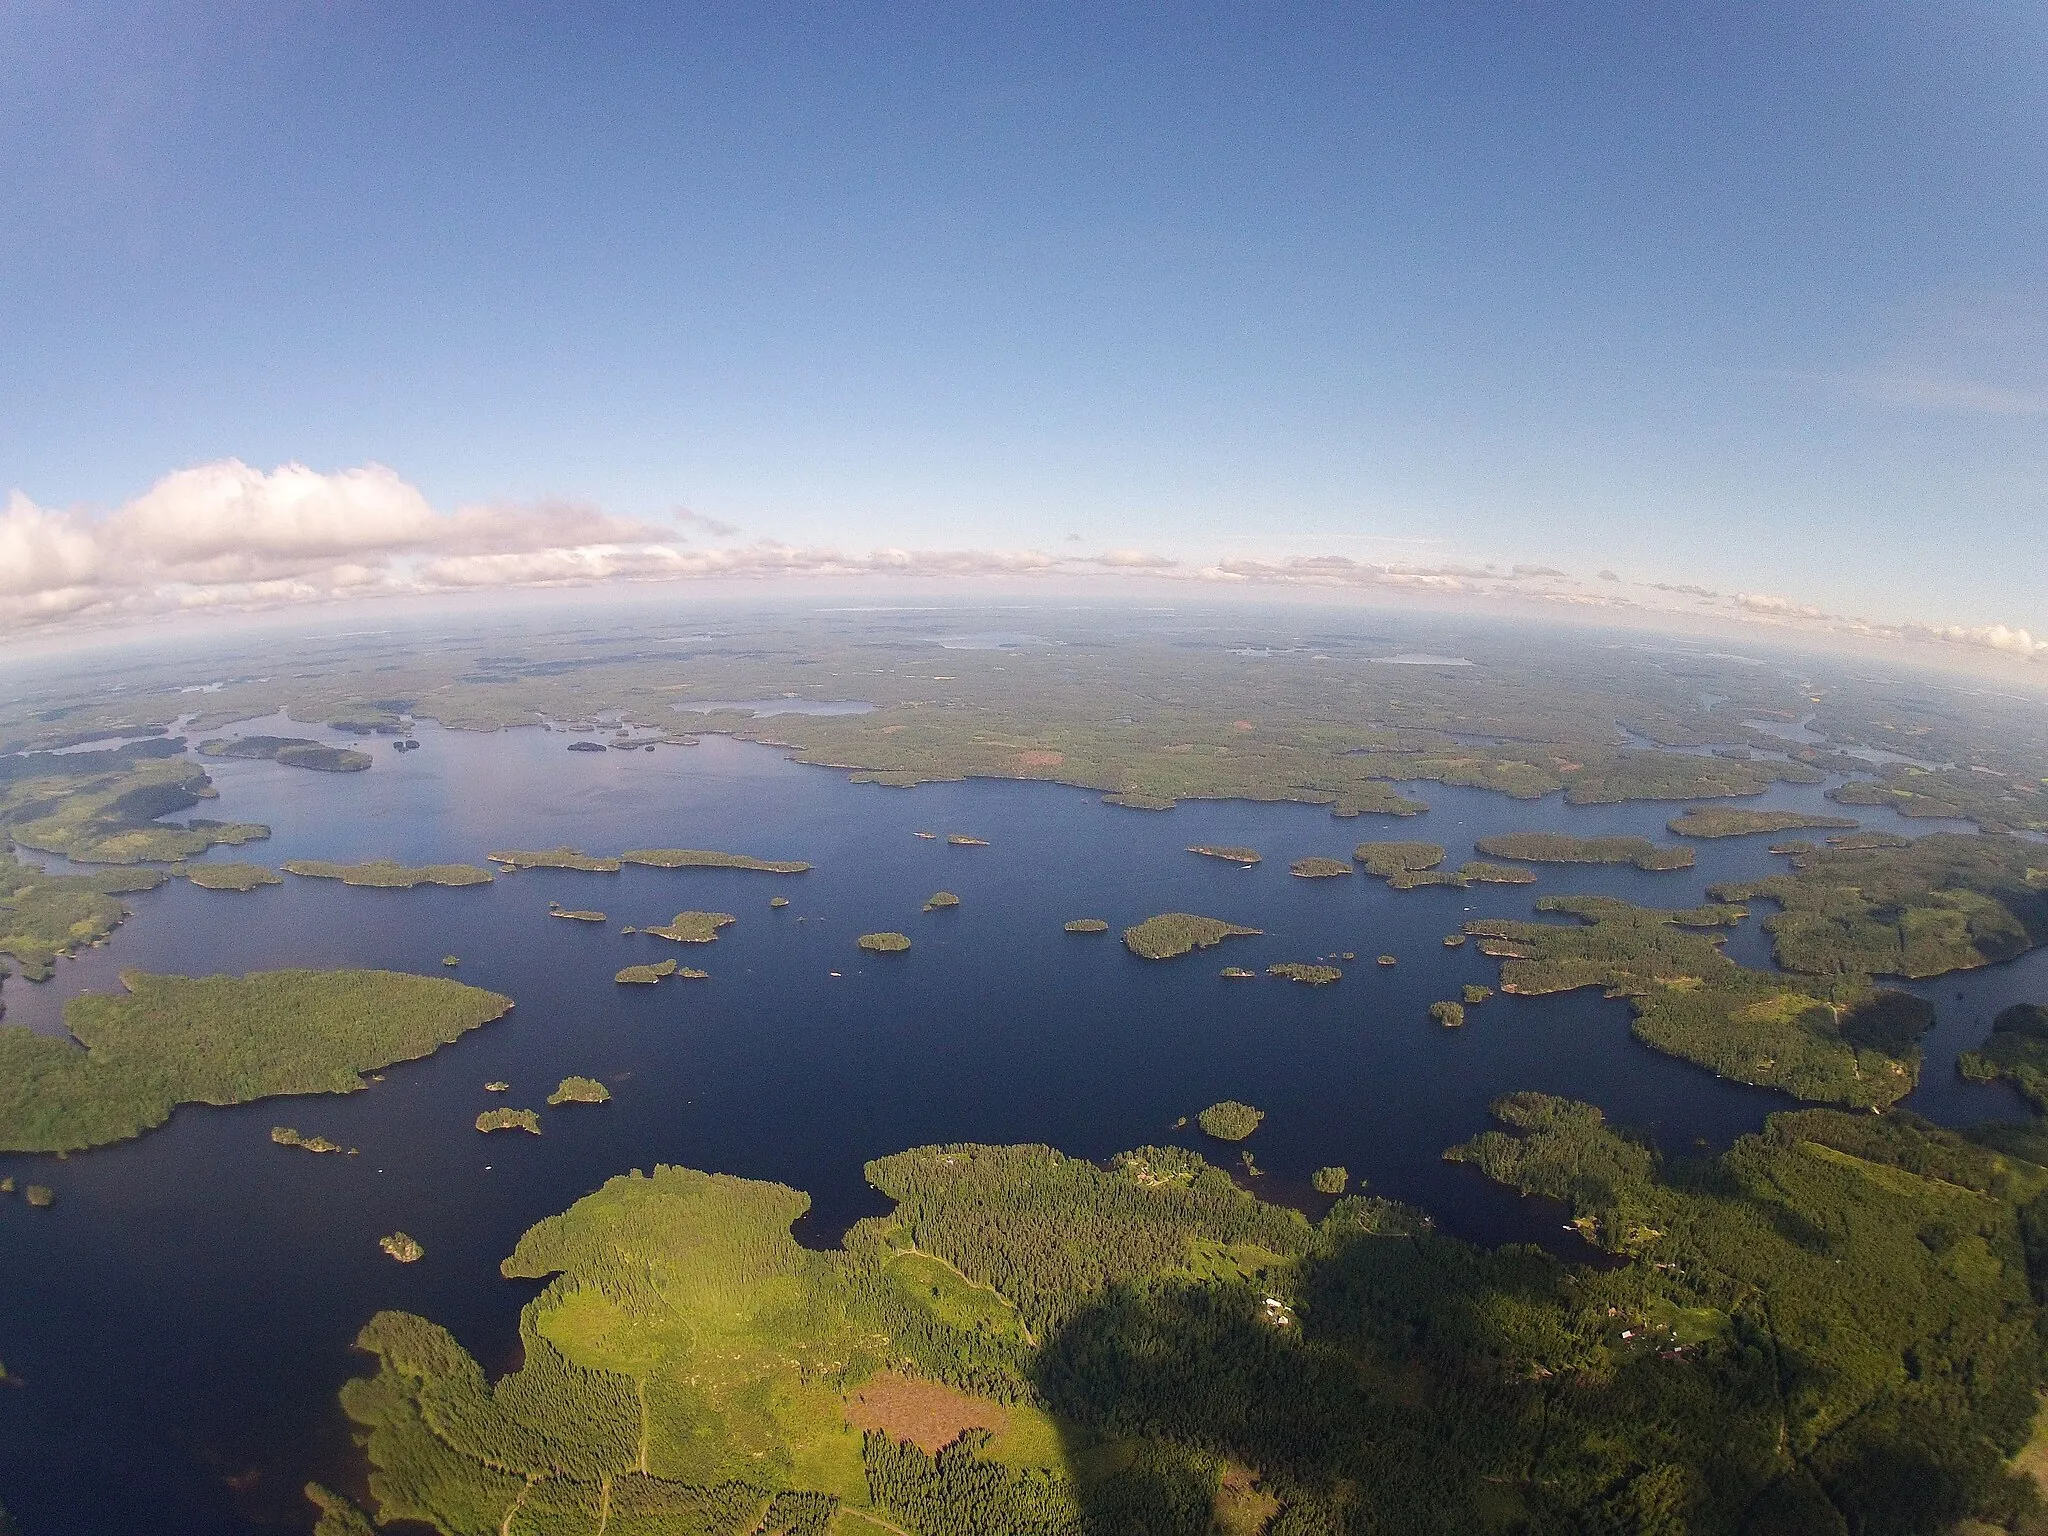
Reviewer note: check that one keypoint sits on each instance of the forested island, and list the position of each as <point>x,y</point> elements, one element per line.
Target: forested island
<point>171,1040</point>
<point>656,858</point>
<point>579,1090</point>
<point>1230,854</point>
<point>884,943</point>
<point>1154,1343</point>
<point>1317,868</point>
<point>1230,1120</point>
<point>940,900</point>
<point>1729,821</point>
<point>286,1136</point>
<point>693,927</point>
<point>231,876</point>
<point>509,1120</point>
<point>1411,866</point>
<point>1178,933</point>
<point>389,874</point>
<point>1562,848</point>
<point>645,975</point>
<point>1308,975</point>
<point>292,751</point>
<point>1085,925</point>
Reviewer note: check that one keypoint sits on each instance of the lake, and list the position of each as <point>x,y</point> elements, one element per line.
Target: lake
<point>177,1326</point>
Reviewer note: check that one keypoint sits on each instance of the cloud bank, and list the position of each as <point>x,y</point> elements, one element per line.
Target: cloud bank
<point>226,537</point>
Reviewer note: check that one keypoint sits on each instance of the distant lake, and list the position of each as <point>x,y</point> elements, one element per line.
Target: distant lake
<point>181,1319</point>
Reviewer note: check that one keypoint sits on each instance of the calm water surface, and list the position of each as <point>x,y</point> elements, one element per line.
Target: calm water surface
<point>176,1328</point>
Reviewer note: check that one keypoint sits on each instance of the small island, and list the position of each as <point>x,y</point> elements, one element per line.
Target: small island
<point>1179,933</point>
<point>1308,975</point>
<point>1316,867</point>
<point>706,858</point>
<point>575,915</point>
<point>292,751</point>
<point>587,746</point>
<point>1397,858</point>
<point>579,1090</point>
<point>940,899</point>
<point>1454,941</point>
<point>1229,853</point>
<point>231,877</point>
<point>497,1086</point>
<point>41,1196</point>
<point>563,857</point>
<point>285,1136</point>
<point>1388,960</point>
<point>777,903</point>
<point>1728,821</point>
<point>645,975</point>
<point>1330,1181</point>
<point>509,1120</point>
<point>402,1248</point>
<point>389,874</point>
<point>1230,1120</point>
<point>884,943</point>
<point>1476,994</point>
<point>690,973</point>
<point>1237,973</point>
<point>1479,872</point>
<point>1562,848</point>
<point>693,927</point>
<point>1450,1015</point>
<point>962,840</point>
<point>1085,925</point>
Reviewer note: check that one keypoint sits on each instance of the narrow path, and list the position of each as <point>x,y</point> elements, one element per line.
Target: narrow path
<point>640,1386</point>
<point>505,1525</point>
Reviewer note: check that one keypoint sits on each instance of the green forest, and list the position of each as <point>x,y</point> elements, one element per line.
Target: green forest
<point>169,1040</point>
<point>1833,1327</point>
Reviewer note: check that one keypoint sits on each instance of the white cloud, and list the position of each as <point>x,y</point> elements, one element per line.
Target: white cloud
<point>227,536</point>
<point>1996,637</point>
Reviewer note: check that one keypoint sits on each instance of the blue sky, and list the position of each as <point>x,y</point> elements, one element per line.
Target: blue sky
<point>1753,297</point>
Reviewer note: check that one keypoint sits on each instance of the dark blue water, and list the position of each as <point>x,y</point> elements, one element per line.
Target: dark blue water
<point>180,1321</point>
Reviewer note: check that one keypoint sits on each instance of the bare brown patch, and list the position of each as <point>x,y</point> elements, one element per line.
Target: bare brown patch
<point>1244,725</point>
<point>929,1414</point>
<point>1039,759</point>
<point>1243,1507</point>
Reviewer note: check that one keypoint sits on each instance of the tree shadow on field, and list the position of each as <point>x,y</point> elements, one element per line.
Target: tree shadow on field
<point>1406,1393</point>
